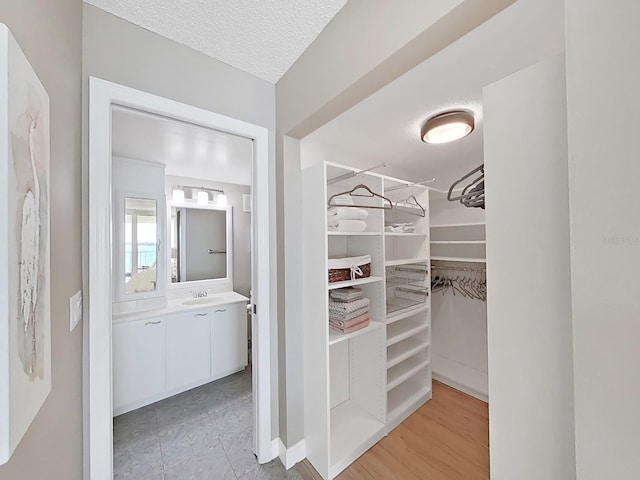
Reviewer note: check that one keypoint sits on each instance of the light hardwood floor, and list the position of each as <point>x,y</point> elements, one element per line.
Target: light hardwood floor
<point>446,439</point>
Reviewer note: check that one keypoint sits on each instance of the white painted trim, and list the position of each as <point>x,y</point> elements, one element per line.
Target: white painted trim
<point>102,96</point>
<point>290,456</point>
<point>458,386</point>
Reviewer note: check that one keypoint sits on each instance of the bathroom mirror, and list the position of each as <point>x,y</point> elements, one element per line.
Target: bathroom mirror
<point>141,244</point>
<point>200,243</point>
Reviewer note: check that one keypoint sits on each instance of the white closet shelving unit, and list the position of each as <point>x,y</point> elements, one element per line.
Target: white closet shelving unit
<point>408,305</point>
<point>459,242</point>
<point>360,385</point>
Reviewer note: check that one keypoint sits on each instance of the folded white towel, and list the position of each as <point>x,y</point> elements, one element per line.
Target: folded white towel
<point>347,213</point>
<point>348,225</point>
<point>342,200</point>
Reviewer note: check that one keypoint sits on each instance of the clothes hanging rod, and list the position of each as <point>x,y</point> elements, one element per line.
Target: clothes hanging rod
<point>416,184</point>
<point>458,269</point>
<point>206,189</point>
<point>355,174</point>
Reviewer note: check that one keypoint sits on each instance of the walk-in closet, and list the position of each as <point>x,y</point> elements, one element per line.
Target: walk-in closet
<point>397,263</point>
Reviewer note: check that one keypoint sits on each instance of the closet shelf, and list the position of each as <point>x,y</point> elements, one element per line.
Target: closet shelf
<point>333,233</point>
<point>337,337</point>
<point>397,305</point>
<point>401,351</point>
<point>413,234</point>
<point>352,283</point>
<point>353,431</point>
<point>405,261</point>
<point>404,371</point>
<point>399,331</point>
<point>401,315</point>
<point>462,224</point>
<point>459,242</point>
<point>460,259</point>
<point>405,399</point>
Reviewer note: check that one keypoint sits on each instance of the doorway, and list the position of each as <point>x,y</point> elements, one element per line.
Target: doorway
<point>106,99</point>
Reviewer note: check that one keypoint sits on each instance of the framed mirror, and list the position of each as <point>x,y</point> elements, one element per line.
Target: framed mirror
<point>201,244</point>
<point>139,257</point>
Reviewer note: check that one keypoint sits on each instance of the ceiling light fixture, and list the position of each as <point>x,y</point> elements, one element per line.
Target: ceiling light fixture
<point>447,127</point>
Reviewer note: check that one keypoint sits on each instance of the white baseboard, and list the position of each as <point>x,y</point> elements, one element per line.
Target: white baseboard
<point>463,388</point>
<point>292,455</point>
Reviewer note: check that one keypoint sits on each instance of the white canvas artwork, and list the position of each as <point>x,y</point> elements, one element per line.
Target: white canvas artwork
<point>25,321</point>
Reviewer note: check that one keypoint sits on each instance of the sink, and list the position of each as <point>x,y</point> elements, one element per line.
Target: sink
<point>202,301</point>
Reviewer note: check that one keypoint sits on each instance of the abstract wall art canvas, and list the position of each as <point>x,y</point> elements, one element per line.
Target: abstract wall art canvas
<point>25,314</point>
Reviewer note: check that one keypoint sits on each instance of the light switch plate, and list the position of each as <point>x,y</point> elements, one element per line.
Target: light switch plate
<point>75,310</point>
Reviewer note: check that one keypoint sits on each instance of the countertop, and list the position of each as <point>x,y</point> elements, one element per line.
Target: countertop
<point>178,306</point>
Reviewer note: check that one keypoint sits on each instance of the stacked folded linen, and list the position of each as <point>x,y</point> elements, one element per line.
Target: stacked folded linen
<point>342,200</point>
<point>348,310</point>
<point>346,294</point>
<point>349,326</point>
<point>347,219</point>
<point>400,227</point>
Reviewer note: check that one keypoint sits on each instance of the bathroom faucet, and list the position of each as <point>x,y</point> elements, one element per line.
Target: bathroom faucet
<point>200,294</point>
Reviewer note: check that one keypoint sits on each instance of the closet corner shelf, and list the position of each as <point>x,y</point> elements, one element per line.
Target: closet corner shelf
<point>353,283</point>
<point>401,315</point>
<point>462,224</point>
<point>459,242</point>
<point>413,234</point>
<point>405,261</point>
<point>460,259</point>
<point>334,233</point>
<point>337,337</point>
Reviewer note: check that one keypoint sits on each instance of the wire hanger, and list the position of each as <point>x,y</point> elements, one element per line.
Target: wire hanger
<point>411,206</point>
<point>370,194</point>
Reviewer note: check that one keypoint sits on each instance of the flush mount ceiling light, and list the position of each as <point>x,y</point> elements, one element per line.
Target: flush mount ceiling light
<point>447,127</point>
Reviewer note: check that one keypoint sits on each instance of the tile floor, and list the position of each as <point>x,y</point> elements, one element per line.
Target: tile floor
<point>202,434</point>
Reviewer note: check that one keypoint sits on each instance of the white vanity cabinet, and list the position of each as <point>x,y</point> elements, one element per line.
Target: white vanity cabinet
<point>138,362</point>
<point>188,349</point>
<point>228,339</point>
<point>155,357</point>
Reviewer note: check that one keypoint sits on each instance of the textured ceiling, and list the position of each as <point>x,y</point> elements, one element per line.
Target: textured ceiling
<point>262,37</point>
<point>385,127</point>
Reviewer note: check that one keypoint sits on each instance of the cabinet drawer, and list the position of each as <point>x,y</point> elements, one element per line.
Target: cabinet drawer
<point>228,339</point>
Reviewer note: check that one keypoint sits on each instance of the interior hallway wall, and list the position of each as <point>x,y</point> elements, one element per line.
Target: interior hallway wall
<point>121,52</point>
<point>603,75</point>
<point>368,44</point>
<point>50,34</point>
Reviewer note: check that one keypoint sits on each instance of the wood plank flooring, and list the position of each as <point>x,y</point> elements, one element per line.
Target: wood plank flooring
<point>446,439</point>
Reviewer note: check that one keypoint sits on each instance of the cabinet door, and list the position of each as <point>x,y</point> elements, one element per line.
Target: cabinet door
<point>138,363</point>
<point>228,339</point>
<point>188,349</point>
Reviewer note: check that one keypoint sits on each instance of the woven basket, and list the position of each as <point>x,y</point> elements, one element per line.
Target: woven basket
<point>344,274</point>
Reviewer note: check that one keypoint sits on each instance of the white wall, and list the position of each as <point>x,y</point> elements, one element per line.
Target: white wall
<point>118,51</point>
<point>603,74</point>
<point>528,276</point>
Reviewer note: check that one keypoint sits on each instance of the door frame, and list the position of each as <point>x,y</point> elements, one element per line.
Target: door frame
<point>98,401</point>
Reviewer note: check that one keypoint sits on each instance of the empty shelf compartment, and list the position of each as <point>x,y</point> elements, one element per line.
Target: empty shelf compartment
<point>405,349</point>
<point>398,331</point>
<point>404,399</point>
<point>405,370</point>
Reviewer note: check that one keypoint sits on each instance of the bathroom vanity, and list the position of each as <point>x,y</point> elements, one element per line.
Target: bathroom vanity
<point>166,351</point>
<point>177,323</point>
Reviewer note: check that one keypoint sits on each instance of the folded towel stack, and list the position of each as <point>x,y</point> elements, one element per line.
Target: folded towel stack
<point>347,219</point>
<point>400,227</point>
<point>348,310</point>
